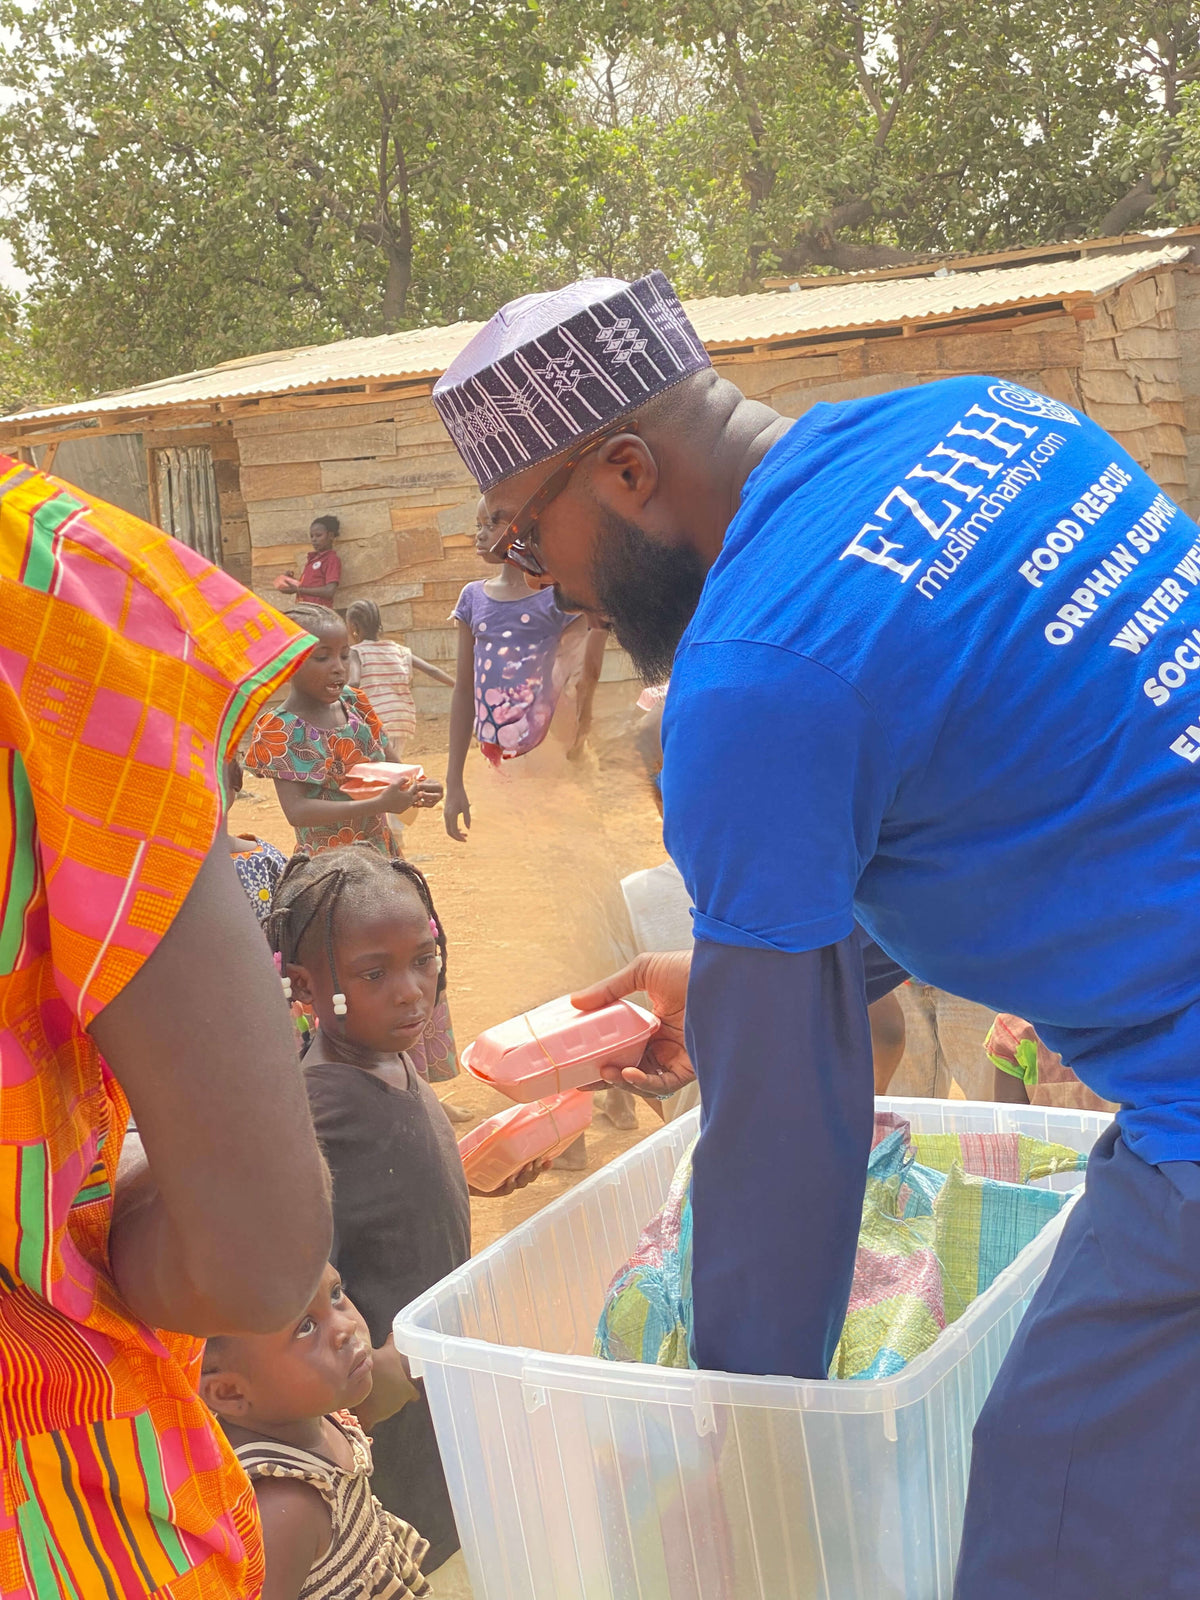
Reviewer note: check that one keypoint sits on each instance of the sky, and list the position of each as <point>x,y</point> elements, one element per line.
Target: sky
<point>11,277</point>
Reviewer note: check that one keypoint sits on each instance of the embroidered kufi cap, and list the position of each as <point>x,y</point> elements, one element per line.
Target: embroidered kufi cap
<point>551,369</point>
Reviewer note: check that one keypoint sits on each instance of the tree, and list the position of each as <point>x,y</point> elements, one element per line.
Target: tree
<point>201,178</point>
<point>22,382</point>
<point>1163,39</point>
<point>844,134</point>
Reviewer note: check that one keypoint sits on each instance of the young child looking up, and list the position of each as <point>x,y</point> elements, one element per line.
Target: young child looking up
<point>323,569</point>
<point>324,729</point>
<point>383,670</point>
<point>285,1401</point>
<point>359,940</point>
<point>509,676</point>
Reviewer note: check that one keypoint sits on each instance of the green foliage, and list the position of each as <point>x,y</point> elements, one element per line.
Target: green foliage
<point>198,180</point>
<point>21,380</point>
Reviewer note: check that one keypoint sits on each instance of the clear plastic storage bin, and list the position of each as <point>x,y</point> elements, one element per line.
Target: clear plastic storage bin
<point>578,1479</point>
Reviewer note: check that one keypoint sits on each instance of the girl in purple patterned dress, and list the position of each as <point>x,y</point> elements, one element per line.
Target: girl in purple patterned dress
<point>509,677</point>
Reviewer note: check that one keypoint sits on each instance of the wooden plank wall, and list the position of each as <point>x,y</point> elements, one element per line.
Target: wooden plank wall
<point>235,528</point>
<point>386,468</point>
<point>1129,366</point>
<point>1043,351</point>
<point>1131,378</point>
<point>1187,323</point>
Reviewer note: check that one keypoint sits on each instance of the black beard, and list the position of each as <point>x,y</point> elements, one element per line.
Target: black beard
<point>648,591</point>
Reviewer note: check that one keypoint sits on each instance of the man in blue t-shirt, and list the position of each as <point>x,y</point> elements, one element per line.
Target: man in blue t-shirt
<point>943,647</point>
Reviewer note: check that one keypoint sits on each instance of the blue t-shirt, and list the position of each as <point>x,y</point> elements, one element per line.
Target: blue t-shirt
<point>944,678</point>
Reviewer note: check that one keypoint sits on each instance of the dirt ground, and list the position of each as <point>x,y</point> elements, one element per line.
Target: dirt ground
<point>531,903</point>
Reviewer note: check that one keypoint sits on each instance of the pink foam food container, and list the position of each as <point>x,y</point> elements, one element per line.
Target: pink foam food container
<point>498,1148</point>
<point>555,1047</point>
<point>370,778</point>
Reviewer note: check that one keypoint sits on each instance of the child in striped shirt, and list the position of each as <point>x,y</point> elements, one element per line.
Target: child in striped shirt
<point>383,671</point>
<point>295,1405</point>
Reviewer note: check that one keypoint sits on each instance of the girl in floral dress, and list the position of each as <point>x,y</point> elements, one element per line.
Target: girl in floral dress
<point>324,729</point>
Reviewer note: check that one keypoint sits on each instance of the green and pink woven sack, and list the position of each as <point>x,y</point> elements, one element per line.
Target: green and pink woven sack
<point>943,1214</point>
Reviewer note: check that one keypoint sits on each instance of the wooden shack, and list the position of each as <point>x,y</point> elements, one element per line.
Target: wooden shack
<point>237,460</point>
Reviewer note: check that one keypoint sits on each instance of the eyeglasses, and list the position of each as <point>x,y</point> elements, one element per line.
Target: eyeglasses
<point>518,543</point>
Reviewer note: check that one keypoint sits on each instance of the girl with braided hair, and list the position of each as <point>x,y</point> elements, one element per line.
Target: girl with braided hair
<point>359,939</point>
<point>325,729</point>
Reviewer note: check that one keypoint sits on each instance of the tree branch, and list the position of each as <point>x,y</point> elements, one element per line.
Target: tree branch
<point>1130,208</point>
<point>819,250</point>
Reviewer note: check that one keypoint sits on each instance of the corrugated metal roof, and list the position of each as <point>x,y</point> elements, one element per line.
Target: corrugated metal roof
<point>860,303</point>
<point>843,306</point>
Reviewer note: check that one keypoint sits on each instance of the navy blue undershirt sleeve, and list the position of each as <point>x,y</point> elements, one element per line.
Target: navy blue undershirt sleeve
<point>882,974</point>
<point>782,1048</point>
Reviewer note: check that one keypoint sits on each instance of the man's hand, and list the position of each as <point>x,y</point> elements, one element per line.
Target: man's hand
<point>457,806</point>
<point>665,1066</point>
<point>519,1180</point>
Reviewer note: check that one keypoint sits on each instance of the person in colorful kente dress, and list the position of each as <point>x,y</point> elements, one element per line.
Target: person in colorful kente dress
<point>132,973</point>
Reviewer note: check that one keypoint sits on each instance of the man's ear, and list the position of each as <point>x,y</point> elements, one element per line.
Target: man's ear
<point>226,1393</point>
<point>301,984</point>
<point>625,473</point>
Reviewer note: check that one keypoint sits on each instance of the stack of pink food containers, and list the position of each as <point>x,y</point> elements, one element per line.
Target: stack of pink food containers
<point>501,1146</point>
<point>544,1059</point>
<point>556,1047</point>
<point>369,778</point>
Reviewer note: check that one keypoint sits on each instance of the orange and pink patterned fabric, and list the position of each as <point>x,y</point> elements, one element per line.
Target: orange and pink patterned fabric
<point>128,668</point>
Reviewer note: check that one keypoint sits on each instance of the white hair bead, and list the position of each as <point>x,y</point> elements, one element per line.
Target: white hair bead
<point>287,986</point>
<point>339,1005</point>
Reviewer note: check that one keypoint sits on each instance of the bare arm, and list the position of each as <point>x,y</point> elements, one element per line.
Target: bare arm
<point>462,718</point>
<point>355,668</point>
<point>323,594</point>
<point>228,1228</point>
<point>589,677</point>
<point>297,1528</point>
<point>305,812</point>
<point>1008,1088</point>
<point>433,672</point>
